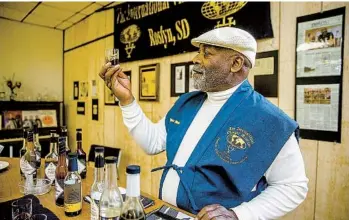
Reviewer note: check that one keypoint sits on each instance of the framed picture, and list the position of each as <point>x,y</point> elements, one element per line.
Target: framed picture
<point>109,98</point>
<point>179,79</point>
<point>265,73</point>
<point>149,82</point>
<point>95,109</point>
<point>80,108</point>
<point>76,90</point>
<point>319,75</point>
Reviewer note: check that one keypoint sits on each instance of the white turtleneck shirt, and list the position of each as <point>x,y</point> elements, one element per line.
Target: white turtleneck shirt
<point>287,182</point>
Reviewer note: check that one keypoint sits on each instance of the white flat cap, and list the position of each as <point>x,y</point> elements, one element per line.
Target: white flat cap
<point>231,38</point>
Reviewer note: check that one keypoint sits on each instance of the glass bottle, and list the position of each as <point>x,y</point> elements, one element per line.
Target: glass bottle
<point>37,146</point>
<point>111,202</point>
<point>81,154</point>
<point>98,183</point>
<point>51,159</point>
<point>72,188</point>
<point>23,149</point>
<point>28,160</point>
<point>133,208</point>
<point>64,133</point>
<point>61,172</point>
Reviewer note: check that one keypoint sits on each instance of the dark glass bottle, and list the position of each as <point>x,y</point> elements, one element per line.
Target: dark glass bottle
<point>81,154</point>
<point>133,208</point>
<point>64,133</point>
<point>72,188</point>
<point>61,172</point>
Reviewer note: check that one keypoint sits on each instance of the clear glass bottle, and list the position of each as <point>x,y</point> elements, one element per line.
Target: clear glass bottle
<point>64,133</point>
<point>111,202</point>
<point>51,159</point>
<point>28,160</point>
<point>60,174</point>
<point>72,188</point>
<point>133,208</point>
<point>37,146</point>
<point>98,183</point>
<point>23,149</point>
<point>81,154</point>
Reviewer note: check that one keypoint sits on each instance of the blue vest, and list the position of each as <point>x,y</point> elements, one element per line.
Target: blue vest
<point>233,154</point>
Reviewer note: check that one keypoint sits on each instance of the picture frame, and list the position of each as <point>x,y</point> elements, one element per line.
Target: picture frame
<point>95,109</point>
<point>149,79</point>
<point>76,90</point>
<point>319,86</point>
<point>266,73</point>
<point>80,108</point>
<point>109,97</point>
<point>181,84</point>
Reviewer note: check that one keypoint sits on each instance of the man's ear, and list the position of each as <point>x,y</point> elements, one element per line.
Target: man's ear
<point>237,63</point>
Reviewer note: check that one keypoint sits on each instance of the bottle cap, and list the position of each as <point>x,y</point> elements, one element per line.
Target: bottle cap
<point>111,159</point>
<point>73,163</point>
<point>133,169</point>
<point>99,149</point>
<point>78,129</point>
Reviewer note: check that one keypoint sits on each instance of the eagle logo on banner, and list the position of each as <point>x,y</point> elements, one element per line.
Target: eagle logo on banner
<point>234,150</point>
<point>129,36</point>
<point>220,10</point>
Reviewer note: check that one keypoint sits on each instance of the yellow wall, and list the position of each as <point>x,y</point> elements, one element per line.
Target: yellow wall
<point>34,54</point>
<point>327,164</point>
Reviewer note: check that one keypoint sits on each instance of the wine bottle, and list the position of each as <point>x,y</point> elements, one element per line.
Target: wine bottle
<point>64,133</point>
<point>111,202</point>
<point>51,159</point>
<point>81,154</point>
<point>61,172</point>
<point>72,188</point>
<point>37,146</point>
<point>98,183</point>
<point>23,149</point>
<point>28,160</point>
<point>132,208</point>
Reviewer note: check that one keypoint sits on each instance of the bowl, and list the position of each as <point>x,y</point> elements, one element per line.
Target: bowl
<point>36,187</point>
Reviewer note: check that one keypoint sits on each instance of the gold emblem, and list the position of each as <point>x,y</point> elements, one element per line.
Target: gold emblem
<point>129,36</point>
<point>234,150</point>
<point>174,121</point>
<point>221,10</point>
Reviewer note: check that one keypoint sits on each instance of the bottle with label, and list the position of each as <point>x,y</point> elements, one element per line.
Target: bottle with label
<point>23,149</point>
<point>132,208</point>
<point>81,154</point>
<point>111,202</point>
<point>98,183</point>
<point>64,133</point>
<point>37,146</point>
<point>61,172</point>
<point>51,159</point>
<point>72,188</point>
<point>28,160</point>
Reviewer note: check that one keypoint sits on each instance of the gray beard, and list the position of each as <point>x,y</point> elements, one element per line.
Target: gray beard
<point>204,82</point>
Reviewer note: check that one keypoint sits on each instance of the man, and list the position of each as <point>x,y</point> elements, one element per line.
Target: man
<point>231,153</point>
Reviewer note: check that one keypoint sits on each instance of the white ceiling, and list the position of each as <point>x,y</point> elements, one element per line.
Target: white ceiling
<point>57,15</point>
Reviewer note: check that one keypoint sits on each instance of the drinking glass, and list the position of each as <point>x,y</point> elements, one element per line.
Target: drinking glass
<point>22,209</point>
<point>112,56</point>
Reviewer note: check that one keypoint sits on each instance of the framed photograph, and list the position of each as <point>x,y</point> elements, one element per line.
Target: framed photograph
<point>265,73</point>
<point>149,82</point>
<point>94,89</point>
<point>80,108</point>
<point>83,89</point>
<point>76,90</point>
<point>179,78</point>
<point>95,109</point>
<point>319,75</point>
<point>109,98</point>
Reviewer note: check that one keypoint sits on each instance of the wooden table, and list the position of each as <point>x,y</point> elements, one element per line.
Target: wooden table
<point>9,190</point>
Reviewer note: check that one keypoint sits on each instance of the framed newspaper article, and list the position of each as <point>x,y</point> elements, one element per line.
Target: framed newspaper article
<point>319,70</point>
